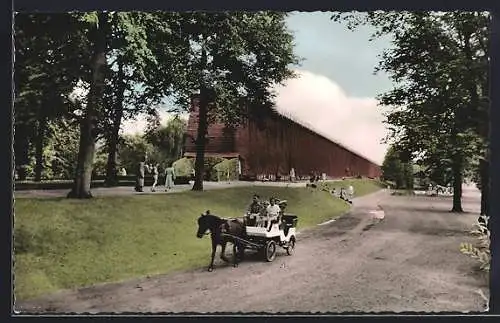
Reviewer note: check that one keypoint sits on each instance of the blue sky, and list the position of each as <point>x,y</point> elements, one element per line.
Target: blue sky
<point>347,57</point>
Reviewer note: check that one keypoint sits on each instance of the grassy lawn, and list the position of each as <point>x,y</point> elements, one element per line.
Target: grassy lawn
<point>361,186</point>
<point>63,243</point>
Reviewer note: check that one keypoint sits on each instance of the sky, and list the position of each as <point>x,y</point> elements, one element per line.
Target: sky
<point>336,88</point>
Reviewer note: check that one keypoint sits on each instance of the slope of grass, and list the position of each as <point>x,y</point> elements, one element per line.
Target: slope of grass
<point>61,243</point>
<point>361,186</point>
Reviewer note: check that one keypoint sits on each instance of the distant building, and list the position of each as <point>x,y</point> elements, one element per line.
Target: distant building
<point>270,144</point>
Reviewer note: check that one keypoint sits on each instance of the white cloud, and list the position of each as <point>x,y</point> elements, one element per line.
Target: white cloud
<point>356,123</point>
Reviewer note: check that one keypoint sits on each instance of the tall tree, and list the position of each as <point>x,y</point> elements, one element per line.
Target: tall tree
<point>438,63</point>
<point>138,78</point>
<point>232,59</point>
<point>47,68</point>
<point>168,138</point>
<point>98,29</point>
<point>392,168</point>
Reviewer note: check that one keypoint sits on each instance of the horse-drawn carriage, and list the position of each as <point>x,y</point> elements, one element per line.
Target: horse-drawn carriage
<point>249,233</point>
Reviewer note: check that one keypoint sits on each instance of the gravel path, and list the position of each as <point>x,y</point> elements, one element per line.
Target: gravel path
<point>407,261</point>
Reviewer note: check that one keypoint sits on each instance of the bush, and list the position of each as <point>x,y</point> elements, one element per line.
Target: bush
<point>184,167</point>
<point>227,165</point>
<point>210,171</point>
<point>481,249</point>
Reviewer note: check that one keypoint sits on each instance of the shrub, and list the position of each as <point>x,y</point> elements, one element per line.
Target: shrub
<point>183,167</point>
<point>481,249</point>
<point>210,171</point>
<point>227,165</point>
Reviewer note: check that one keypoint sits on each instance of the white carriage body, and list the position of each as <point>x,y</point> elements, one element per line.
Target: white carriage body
<point>273,233</point>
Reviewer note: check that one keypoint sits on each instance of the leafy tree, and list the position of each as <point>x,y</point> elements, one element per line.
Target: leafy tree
<point>232,59</point>
<point>168,138</point>
<point>439,65</point>
<point>47,67</point>
<point>397,170</point>
<point>137,78</point>
<point>132,148</point>
<point>98,26</point>
<point>61,150</point>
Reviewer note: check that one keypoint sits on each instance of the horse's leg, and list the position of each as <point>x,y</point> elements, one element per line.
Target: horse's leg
<point>235,253</point>
<point>214,248</point>
<point>223,252</point>
<point>241,251</point>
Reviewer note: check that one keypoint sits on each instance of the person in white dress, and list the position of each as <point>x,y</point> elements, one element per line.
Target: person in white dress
<point>169,177</point>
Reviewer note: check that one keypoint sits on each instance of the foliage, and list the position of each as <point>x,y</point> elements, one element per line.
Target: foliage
<point>62,148</point>
<point>227,166</point>
<point>396,170</point>
<point>100,161</point>
<point>233,59</point>
<point>50,60</point>
<point>209,167</point>
<point>132,149</point>
<point>184,167</point>
<point>161,144</point>
<point>439,63</point>
<point>168,138</point>
<point>481,249</point>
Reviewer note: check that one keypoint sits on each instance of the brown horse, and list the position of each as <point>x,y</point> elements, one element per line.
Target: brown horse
<point>217,227</point>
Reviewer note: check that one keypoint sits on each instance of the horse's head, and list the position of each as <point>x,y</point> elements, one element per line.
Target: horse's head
<point>205,222</point>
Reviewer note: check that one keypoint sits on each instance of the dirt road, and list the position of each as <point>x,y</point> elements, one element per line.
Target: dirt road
<point>408,261</point>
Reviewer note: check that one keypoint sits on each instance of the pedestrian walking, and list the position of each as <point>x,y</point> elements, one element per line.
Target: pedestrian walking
<point>155,177</point>
<point>169,177</point>
<point>139,186</point>
<point>292,174</point>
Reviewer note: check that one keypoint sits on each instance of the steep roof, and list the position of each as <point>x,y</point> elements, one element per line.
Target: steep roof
<point>320,133</point>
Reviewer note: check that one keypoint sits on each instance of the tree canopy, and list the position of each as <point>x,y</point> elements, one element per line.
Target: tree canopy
<point>439,65</point>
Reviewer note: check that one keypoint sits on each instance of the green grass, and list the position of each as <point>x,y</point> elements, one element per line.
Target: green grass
<point>361,186</point>
<point>62,243</point>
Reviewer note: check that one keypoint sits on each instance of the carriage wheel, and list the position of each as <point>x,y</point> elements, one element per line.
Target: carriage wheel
<point>270,250</point>
<point>291,246</point>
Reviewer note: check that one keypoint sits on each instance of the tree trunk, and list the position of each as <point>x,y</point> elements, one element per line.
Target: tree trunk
<point>39,142</point>
<point>111,169</point>
<point>201,140</point>
<point>457,185</point>
<point>88,126</point>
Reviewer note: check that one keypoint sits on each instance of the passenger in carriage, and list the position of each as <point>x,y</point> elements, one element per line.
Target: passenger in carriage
<point>273,212</point>
<point>255,208</point>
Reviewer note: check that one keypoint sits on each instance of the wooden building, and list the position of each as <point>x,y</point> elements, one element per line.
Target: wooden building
<point>269,144</point>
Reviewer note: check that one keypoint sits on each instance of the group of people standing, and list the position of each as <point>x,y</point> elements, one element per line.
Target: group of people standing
<point>154,170</point>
